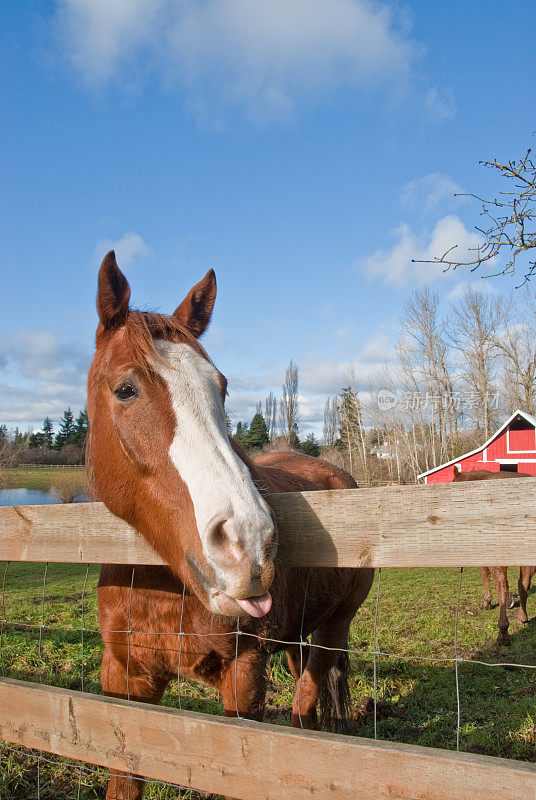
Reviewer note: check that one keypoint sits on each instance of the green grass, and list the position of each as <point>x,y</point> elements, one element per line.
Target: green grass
<point>40,478</point>
<point>417,698</point>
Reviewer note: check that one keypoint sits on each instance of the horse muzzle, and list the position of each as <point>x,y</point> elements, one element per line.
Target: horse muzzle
<point>237,567</point>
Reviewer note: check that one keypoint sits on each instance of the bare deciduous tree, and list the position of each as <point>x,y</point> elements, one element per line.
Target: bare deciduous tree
<point>270,414</point>
<point>289,409</point>
<point>477,319</point>
<point>509,227</point>
<point>516,342</point>
<point>331,421</point>
<point>426,344</point>
<point>352,431</point>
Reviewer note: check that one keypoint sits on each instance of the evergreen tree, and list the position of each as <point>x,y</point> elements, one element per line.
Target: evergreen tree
<point>37,440</point>
<point>3,434</point>
<point>257,436</point>
<point>241,434</point>
<point>352,434</point>
<point>18,436</point>
<point>310,446</point>
<point>48,432</point>
<point>67,430</point>
<point>80,429</point>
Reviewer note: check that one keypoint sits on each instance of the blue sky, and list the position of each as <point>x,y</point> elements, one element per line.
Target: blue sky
<point>305,150</point>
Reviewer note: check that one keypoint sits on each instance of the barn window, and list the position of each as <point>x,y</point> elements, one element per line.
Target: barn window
<point>521,438</point>
<point>508,468</point>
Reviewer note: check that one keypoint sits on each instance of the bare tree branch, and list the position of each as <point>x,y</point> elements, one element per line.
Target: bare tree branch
<point>510,222</point>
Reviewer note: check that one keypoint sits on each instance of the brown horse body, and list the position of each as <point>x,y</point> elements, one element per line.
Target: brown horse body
<point>500,574</point>
<point>208,615</point>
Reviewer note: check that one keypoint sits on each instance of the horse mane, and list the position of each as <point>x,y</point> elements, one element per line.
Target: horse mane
<point>143,327</point>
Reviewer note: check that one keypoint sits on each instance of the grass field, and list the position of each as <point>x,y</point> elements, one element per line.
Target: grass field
<point>417,699</point>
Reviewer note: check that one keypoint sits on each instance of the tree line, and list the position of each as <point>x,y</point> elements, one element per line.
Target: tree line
<point>47,446</point>
<point>346,441</point>
<point>275,425</point>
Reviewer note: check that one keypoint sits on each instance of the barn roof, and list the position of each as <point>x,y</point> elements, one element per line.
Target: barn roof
<point>530,419</point>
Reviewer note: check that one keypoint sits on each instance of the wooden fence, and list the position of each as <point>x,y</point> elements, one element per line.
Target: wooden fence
<point>443,525</point>
<point>49,466</point>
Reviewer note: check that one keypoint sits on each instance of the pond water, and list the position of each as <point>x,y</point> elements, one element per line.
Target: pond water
<point>33,497</point>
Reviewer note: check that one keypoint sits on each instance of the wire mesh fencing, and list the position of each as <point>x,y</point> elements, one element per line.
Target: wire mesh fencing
<point>424,668</point>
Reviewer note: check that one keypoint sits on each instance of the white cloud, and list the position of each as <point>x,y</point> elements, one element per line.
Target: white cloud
<point>42,376</point>
<point>327,375</point>
<point>27,407</point>
<point>378,349</point>
<point>264,58</point>
<point>38,355</point>
<point>482,285</point>
<point>128,249</point>
<point>395,266</point>
<point>440,104</point>
<point>427,193</point>
<point>343,333</point>
<point>101,35</point>
<point>328,309</point>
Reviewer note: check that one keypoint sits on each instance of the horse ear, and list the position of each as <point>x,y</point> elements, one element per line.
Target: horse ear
<point>457,471</point>
<point>196,309</point>
<point>113,293</point>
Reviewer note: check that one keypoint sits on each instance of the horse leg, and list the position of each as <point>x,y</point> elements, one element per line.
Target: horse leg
<point>501,587</point>
<point>141,687</point>
<point>525,575</point>
<point>297,659</point>
<point>332,634</point>
<point>485,573</point>
<point>243,686</point>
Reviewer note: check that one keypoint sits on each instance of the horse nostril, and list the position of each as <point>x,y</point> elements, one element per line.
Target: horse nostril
<point>224,548</point>
<point>218,535</point>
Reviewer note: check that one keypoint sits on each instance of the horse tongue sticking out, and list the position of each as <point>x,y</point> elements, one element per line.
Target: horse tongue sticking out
<point>256,606</point>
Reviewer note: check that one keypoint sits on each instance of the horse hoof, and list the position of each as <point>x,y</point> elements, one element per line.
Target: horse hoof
<point>503,640</point>
<point>524,619</point>
<point>486,605</point>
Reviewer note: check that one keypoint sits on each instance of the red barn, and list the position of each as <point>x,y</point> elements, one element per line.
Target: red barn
<point>511,449</point>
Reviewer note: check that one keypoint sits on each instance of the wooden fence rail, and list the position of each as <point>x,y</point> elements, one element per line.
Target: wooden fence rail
<point>250,760</point>
<point>443,525</point>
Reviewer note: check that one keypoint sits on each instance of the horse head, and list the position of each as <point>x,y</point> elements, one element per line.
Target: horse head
<point>160,453</point>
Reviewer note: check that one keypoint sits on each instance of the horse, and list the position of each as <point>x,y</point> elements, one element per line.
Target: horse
<point>160,457</point>
<point>500,574</point>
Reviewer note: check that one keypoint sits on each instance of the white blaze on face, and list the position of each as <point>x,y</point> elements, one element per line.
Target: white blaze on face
<point>219,483</point>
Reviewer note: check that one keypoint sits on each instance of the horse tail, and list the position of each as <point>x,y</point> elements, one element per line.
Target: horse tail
<point>335,700</point>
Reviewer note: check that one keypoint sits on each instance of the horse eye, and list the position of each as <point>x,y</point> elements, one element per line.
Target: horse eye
<point>126,391</point>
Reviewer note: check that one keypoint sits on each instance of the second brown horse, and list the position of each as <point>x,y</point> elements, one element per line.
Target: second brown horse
<point>500,574</point>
